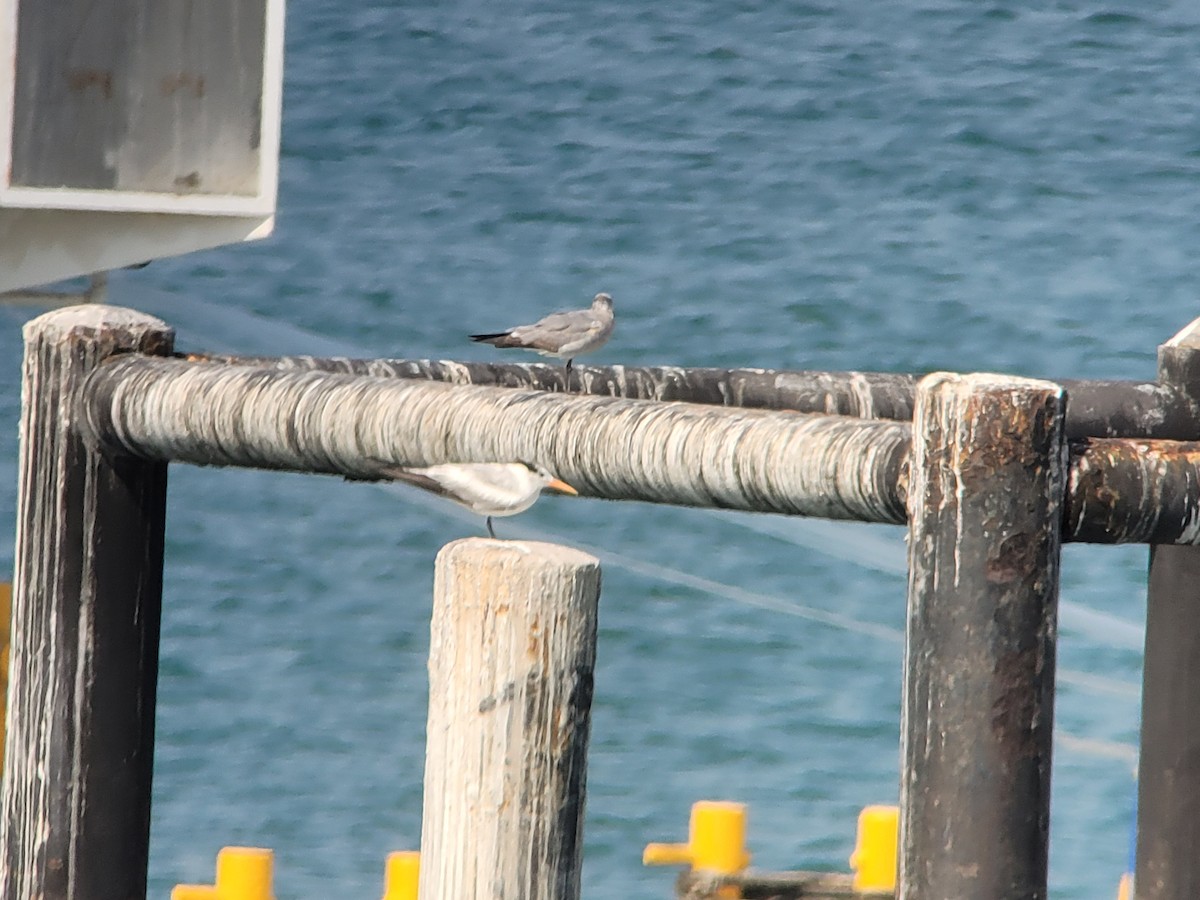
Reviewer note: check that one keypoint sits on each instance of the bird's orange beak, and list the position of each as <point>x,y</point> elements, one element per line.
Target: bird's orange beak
<point>562,487</point>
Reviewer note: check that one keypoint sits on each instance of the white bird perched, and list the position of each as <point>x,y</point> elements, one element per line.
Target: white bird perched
<point>490,489</point>
<point>562,334</point>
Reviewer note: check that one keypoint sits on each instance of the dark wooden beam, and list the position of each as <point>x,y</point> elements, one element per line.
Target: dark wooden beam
<point>985,497</point>
<point>86,609</point>
<point>1168,835</point>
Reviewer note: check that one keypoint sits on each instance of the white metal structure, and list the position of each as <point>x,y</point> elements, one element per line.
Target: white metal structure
<point>134,129</point>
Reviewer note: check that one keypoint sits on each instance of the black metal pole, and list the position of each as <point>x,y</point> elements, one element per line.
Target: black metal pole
<point>985,501</point>
<point>1168,841</point>
<point>86,607</point>
<point>1130,409</point>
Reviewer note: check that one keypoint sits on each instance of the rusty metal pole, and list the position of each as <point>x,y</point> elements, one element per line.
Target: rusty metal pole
<point>1168,833</point>
<point>985,512</point>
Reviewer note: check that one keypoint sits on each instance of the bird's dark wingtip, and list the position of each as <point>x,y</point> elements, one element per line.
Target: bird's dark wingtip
<point>378,470</point>
<point>484,338</point>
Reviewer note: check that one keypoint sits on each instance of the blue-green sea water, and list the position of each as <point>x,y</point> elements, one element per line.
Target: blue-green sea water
<point>906,186</point>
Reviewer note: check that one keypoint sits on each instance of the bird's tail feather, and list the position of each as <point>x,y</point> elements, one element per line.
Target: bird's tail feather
<point>380,470</point>
<point>386,471</point>
<point>498,339</point>
<point>396,473</point>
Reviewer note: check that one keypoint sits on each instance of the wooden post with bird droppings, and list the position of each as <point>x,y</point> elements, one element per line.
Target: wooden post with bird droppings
<point>511,659</point>
<point>87,596</point>
<point>1168,830</point>
<point>985,514</point>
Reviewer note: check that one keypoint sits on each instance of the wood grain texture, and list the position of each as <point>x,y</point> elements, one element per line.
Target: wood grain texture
<point>985,505</point>
<point>511,667</point>
<point>86,605</point>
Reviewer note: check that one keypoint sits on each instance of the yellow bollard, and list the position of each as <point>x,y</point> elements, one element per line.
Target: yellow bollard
<point>243,873</point>
<point>402,875</point>
<point>194,892</point>
<point>716,843</point>
<point>875,852</point>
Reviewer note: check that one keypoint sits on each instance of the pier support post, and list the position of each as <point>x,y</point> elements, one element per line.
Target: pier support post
<point>510,692</point>
<point>985,508</point>
<point>75,823</point>
<point>1168,832</point>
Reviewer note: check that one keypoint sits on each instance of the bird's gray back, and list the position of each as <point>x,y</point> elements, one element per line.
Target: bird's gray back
<point>575,331</point>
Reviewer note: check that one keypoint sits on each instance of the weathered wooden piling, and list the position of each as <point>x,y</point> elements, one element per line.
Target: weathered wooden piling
<point>87,595</point>
<point>511,665</point>
<point>1168,833</point>
<point>985,499</point>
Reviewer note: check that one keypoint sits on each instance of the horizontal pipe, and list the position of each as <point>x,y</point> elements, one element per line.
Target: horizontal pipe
<point>1129,409</point>
<point>684,454</point>
<point>304,419</point>
<point>864,395</point>
<point>1133,409</point>
<point>1134,492</point>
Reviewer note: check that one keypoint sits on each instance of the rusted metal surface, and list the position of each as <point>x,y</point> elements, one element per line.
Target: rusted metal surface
<point>680,453</point>
<point>87,594</point>
<point>1133,491</point>
<point>987,480</point>
<point>1138,409</point>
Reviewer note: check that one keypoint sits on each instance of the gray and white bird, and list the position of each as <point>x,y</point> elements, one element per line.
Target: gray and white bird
<point>563,334</point>
<point>490,489</point>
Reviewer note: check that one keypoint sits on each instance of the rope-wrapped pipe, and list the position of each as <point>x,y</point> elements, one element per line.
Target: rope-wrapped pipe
<point>680,453</point>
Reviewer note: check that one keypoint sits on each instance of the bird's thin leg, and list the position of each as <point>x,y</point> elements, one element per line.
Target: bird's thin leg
<point>491,531</point>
